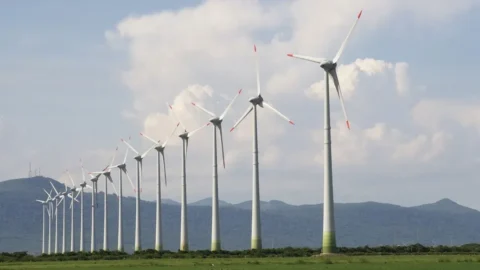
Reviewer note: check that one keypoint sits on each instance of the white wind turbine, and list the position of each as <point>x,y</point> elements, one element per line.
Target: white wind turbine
<point>94,179</point>
<point>217,123</point>
<point>56,202</point>
<point>256,242</point>
<point>44,208</point>
<point>61,195</point>
<point>108,177</point>
<point>50,217</point>
<point>183,215</point>
<point>160,154</point>
<point>329,244</point>
<point>75,191</point>
<point>122,168</point>
<point>139,159</point>
<point>83,185</point>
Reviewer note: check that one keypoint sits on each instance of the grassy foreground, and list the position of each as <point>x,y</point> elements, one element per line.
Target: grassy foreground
<point>457,262</point>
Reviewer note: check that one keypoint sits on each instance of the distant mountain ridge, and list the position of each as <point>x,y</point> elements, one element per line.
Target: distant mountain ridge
<point>358,224</point>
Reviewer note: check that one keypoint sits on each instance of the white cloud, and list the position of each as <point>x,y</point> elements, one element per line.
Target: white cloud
<point>402,78</point>
<point>204,53</point>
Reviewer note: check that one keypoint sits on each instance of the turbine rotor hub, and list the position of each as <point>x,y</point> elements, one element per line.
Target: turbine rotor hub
<point>328,65</point>
<point>258,100</point>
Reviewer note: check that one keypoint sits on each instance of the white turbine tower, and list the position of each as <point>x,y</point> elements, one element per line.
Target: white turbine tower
<point>139,159</point>
<point>108,177</point>
<point>217,123</point>
<point>83,185</point>
<point>94,179</point>
<point>75,191</point>
<point>50,217</point>
<point>44,209</point>
<point>329,243</point>
<point>183,215</point>
<point>158,217</point>
<point>56,202</point>
<point>122,168</point>
<point>256,242</point>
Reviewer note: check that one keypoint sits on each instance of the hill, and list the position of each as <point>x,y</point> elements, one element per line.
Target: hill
<point>358,224</point>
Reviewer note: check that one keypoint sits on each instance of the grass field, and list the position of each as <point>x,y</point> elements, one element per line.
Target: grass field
<point>433,262</point>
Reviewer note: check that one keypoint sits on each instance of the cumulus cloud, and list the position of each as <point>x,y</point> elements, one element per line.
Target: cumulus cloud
<point>204,54</point>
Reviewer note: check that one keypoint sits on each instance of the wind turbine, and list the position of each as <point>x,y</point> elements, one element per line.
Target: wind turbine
<point>75,191</point>
<point>122,168</point>
<point>108,177</point>
<point>50,217</point>
<point>44,207</point>
<point>217,123</point>
<point>256,242</point>
<point>160,154</point>
<point>83,185</point>
<point>54,200</point>
<point>329,244</point>
<point>94,179</point>
<point>183,216</point>
<point>139,159</point>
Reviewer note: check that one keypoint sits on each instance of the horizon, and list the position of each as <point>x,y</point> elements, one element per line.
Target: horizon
<point>245,201</point>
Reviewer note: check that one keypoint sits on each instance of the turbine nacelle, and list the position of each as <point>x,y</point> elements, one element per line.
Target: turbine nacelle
<point>328,65</point>
<point>184,135</point>
<point>258,100</point>
<point>216,121</point>
<point>138,158</point>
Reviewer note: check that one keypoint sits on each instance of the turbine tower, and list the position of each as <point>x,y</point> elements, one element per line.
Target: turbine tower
<point>139,159</point>
<point>256,242</point>
<point>108,177</point>
<point>75,191</point>
<point>329,243</point>
<point>94,179</point>
<point>122,168</point>
<point>158,217</point>
<point>217,123</point>
<point>183,215</point>
<point>56,201</point>
<point>83,185</point>
<point>50,217</point>
<point>44,208</point>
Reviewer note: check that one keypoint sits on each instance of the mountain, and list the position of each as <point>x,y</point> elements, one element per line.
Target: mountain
<point>446,206</point>
<point>358,224</point>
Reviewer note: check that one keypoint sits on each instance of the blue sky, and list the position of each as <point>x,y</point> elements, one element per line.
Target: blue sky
<point>76,77</point>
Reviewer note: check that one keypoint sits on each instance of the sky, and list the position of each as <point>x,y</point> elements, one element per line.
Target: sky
<point>76,78</point>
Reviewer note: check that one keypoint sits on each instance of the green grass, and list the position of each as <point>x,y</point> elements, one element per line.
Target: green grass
<point>423,262</point>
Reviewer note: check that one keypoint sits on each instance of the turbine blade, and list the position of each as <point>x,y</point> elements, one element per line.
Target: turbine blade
<point>148,138</point>
<point>71,179</point>
<point>277,112</point>
<point>171,134</point>
<point>333,73</point>
<point>78,193</point>
<point>129,146</point>
<point>88,186</point>
<point>54,188</point>
<point>230,105</point>
<point>221,141</point>
<point>149,149</point>
<point>129,179</point>
<point>83,170</point>
<point>164,168</point>
<point>47,193</point>
<point>340,51</point>
<point>257,69</point>
<point>190,134</point>
<point>176,117</point>
<point>113,157</point>
<point>125,157</point>
<point>203,109</point>
<point>250,108</point>
<point>113,185</point>
<point>40,201</point>
<point>308,58</point>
